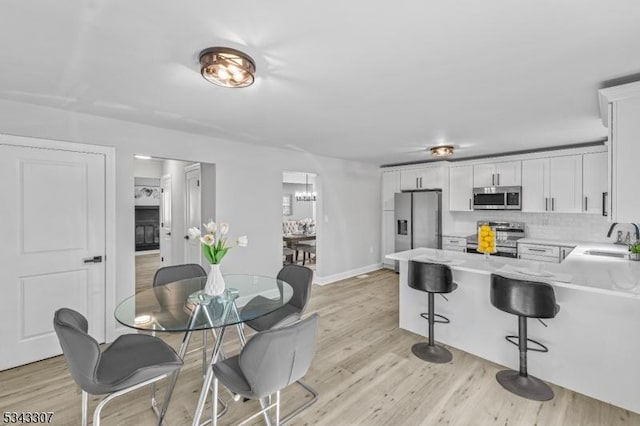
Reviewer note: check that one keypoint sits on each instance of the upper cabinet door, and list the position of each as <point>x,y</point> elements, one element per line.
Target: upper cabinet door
<point>484,175</point>
<point>565,178</point>
<point>594,181</point>
<point>409,179</point>
<point>460,188</point>
<point>535,185</point>
<point>390,185</point>
<point>509,173</point>
<point>429,178</point>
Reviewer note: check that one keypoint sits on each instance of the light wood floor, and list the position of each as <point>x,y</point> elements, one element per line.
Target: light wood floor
<point>146,267</point>
<point>364,371</point>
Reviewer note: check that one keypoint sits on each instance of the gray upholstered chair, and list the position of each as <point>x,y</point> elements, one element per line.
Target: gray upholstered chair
<point>130,362</point>
<point>300,279</point>
<point>169,274</point>
<point>268,363</point>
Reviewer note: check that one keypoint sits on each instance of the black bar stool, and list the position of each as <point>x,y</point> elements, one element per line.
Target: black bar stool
<point>526,299</point>
<point>431,278</point>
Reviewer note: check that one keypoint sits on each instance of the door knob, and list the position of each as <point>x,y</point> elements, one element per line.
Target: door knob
<point>186,237</point>
<point>94,259</point>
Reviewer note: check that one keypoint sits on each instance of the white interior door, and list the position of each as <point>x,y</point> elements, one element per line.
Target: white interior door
<point>165,221</point>
<point>53,220</point>
<point>193,212</point>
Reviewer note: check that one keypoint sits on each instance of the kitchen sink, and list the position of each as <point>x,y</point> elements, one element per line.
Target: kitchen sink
<point>606,253</point>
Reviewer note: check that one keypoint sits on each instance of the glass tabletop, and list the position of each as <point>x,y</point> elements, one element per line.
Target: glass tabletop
<point>183,306</point>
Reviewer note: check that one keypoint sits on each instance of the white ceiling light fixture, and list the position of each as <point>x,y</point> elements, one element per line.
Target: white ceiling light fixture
<point>227,67</point>
<point>441,151</point>
<point>306,195</point>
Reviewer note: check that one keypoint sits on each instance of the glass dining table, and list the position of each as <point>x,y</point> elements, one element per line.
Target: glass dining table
<point>184,307</point>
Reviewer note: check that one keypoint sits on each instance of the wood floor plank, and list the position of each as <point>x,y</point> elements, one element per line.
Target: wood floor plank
<point>364,371</point>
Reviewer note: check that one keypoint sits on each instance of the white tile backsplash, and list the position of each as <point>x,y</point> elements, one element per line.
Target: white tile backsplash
<point>556,226</point>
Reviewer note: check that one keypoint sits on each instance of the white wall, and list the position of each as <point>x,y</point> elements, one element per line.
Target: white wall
<point>147,168</point>
<point>248,189</point>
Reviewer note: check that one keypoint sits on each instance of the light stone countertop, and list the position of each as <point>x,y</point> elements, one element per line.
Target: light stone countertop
<point>457,234</point>
<point>608,275</point>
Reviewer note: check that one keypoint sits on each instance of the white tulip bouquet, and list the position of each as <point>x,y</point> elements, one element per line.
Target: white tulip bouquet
<point>214,241</point>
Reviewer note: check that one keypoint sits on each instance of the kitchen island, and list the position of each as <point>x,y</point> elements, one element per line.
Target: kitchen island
<point>594,341</point>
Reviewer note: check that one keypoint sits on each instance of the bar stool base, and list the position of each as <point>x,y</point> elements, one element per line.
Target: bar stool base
<point>437,354</point>
<point>525,386</point>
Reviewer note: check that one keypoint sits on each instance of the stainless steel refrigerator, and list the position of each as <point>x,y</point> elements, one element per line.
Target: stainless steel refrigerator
<point>418,220</point>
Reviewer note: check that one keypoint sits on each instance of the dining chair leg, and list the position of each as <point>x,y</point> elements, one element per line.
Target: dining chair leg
<point>264,402</point>
<point>301,408</point>
<point>85,407</point>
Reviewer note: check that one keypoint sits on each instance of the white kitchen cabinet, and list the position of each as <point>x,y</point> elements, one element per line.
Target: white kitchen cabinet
<point>388,237</point>
<point>564,252</point>
<point>390,185</point>
<point>461,188</point>
<point>565,184</point>
<point>594,182</point>
<point>454,243</point>
<point>421,178</point>
<point>620,110</point>
<point>535,185</point>
<point>552,184</point>
<point>409,179</point>
<point>509,173</point>
<point>539,252</point>
<point>484,175</point>
<point>550,253</point>
<point>506,173</point>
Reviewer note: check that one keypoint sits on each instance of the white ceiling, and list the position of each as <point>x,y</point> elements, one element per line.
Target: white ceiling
<point>361,79</point>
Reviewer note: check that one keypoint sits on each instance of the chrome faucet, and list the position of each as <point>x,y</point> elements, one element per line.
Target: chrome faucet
<point>619,240</point>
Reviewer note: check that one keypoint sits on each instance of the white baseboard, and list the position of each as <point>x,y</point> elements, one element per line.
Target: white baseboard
<point>347,274</point>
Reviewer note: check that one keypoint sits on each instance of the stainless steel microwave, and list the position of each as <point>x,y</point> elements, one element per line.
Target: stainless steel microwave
<point>497,198</point>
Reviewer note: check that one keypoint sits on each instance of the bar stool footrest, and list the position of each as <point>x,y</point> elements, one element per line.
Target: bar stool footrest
<point>442,320</point>
<point>514,341</point>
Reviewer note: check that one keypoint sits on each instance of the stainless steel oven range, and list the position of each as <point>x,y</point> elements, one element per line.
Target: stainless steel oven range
<point>507,236</point>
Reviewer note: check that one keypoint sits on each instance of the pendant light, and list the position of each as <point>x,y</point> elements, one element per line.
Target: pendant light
<point>306,195</point>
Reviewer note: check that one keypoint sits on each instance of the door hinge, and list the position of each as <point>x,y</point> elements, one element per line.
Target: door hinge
<point>161,224</point>
<point>161,259</point>
<point>198,183</point>
<point>161,190</point>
